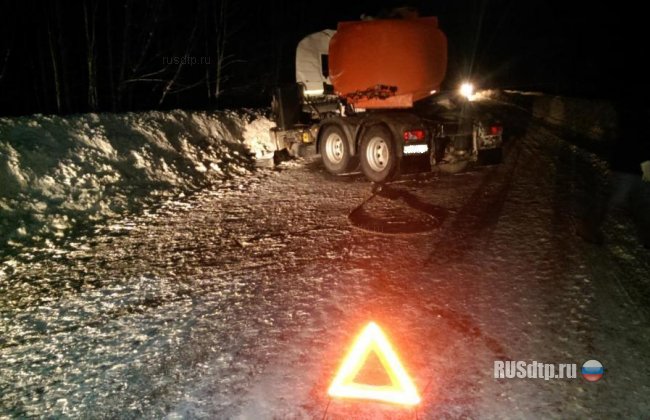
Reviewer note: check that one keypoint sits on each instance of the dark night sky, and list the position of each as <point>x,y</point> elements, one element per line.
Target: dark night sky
<point>572,48</point>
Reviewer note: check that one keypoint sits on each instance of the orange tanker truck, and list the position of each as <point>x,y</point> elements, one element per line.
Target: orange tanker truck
<point>368,96</point>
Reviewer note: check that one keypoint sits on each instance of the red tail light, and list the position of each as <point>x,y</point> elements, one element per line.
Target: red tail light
<point>414,135</point>
<point>496,129</point>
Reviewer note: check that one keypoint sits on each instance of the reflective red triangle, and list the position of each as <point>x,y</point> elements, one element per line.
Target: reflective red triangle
<point>401,391</point>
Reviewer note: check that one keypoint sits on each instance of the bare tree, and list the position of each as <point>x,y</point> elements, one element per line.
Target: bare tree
<point>224,31</point>
<point>168,86</point>
<point>55,66</point>
<point>221,29</point>
<point>90,23</point>
<point>5,63</point>
<point>62,54</point>
<point>132,68</point>
<point>206,40</point>
<point>109,53</point>
<point>125,48</point>
<point>41,80</point>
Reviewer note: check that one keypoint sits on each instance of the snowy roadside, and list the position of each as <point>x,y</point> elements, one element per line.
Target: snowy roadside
<point>58,174</point>
<point>240,300</point>
<point>590,124</point>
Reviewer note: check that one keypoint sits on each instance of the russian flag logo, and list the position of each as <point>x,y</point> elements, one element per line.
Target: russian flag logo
<point>592,370</point>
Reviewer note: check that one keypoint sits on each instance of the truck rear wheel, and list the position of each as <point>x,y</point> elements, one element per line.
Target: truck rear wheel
<point>335,151</point>
<point>378,153</point>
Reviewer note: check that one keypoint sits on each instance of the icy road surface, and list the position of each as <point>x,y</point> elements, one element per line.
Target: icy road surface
<point>240,301</point>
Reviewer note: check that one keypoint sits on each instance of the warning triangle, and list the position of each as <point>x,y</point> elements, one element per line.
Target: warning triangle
<point>372,339</point>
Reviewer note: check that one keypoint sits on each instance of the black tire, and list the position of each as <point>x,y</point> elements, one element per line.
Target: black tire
<point>335,152</point>
<point>378,154</point>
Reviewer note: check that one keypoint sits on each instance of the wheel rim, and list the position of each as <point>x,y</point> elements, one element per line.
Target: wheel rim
<point>334,149</point>
<point>377,154</point>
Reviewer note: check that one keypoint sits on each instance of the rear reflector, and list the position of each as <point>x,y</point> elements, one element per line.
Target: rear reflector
<point>414,135</point>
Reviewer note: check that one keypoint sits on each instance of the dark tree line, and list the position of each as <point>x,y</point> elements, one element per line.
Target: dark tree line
<point>70,56</point>
<point>95,55</point>
<point>116,55</point>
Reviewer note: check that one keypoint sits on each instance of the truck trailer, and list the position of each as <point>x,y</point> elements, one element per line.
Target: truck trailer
<point>367,96</point>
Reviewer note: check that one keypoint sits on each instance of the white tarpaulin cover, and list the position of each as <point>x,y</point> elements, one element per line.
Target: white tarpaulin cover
<point>309,68</point>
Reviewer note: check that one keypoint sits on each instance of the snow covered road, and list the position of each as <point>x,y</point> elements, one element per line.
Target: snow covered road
<point>240,300</point>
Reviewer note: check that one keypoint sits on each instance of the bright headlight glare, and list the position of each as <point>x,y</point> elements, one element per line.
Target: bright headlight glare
<point>467,90</point>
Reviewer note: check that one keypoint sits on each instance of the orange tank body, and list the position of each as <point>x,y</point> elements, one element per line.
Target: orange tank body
<point>406,56</point>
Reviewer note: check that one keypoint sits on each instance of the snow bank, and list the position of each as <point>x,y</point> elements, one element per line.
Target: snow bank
<point>59,173</point>
<point>257,138</point>
<point>593,119</point>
